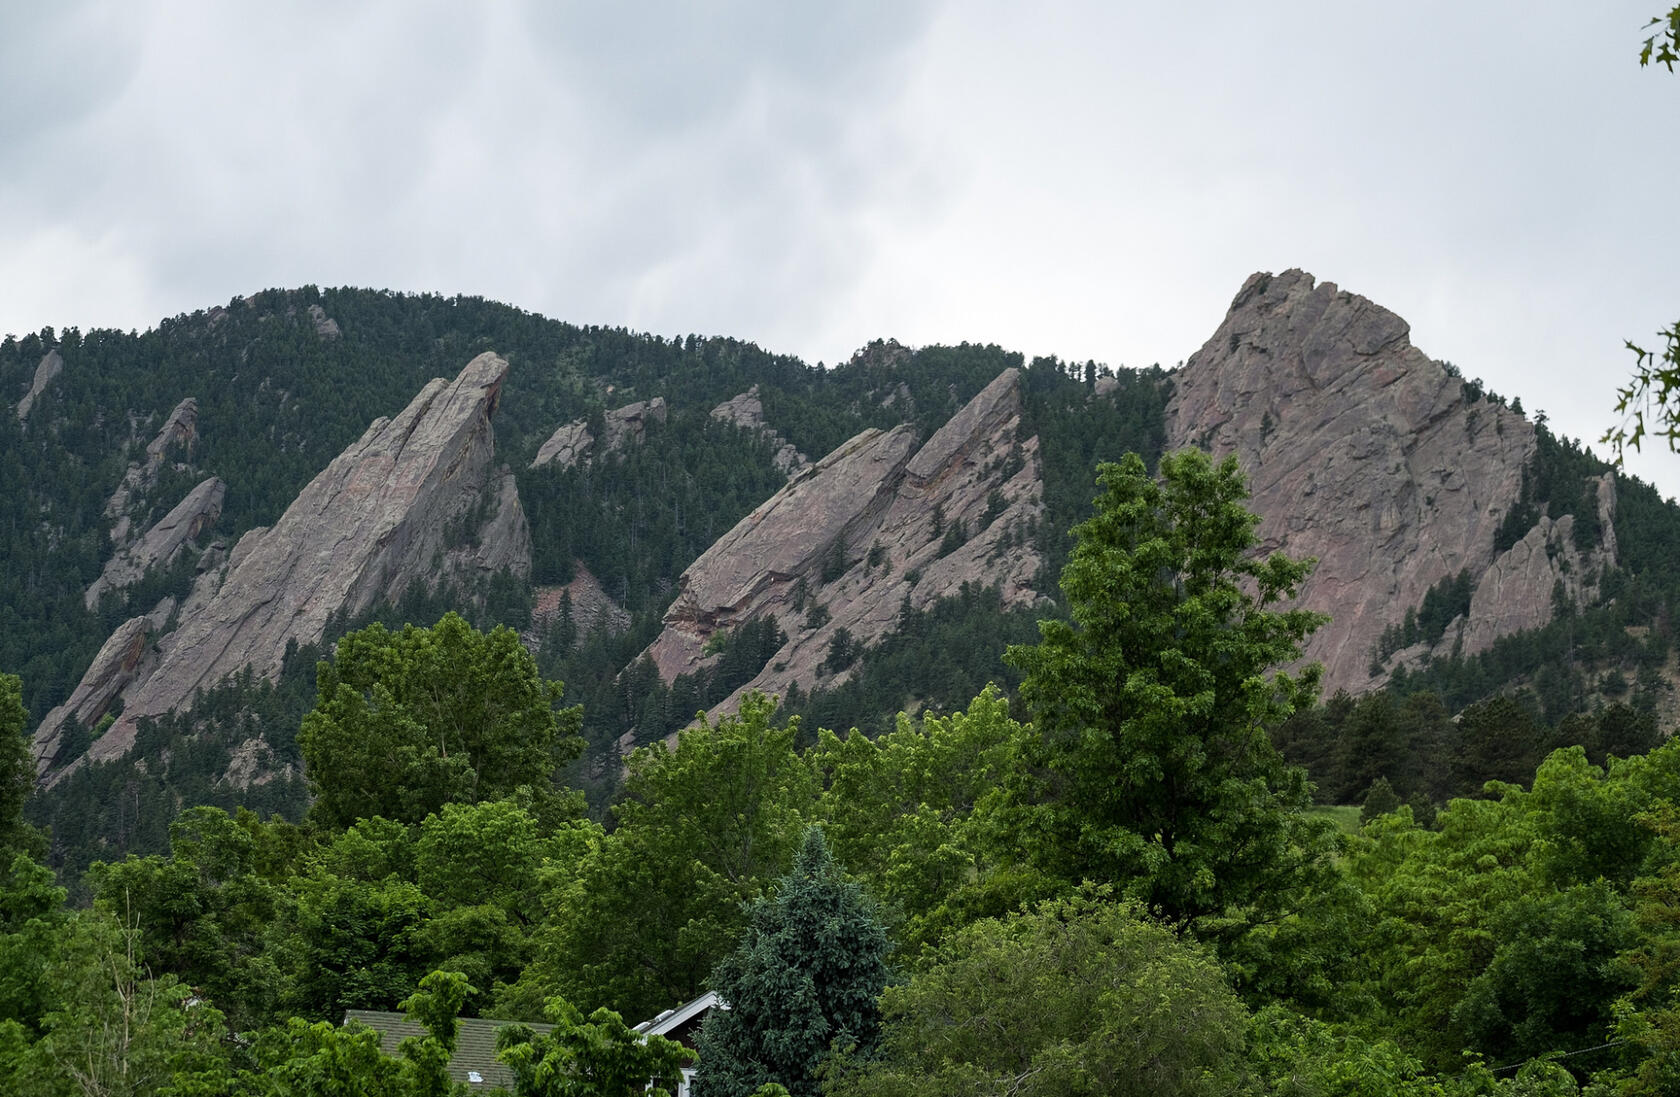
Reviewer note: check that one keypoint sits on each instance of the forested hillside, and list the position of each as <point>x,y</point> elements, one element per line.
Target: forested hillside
<point>285,380</point>
<point>1119,886</point>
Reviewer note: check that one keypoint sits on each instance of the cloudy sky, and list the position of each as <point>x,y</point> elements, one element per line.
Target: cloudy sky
<point>1093,180</point>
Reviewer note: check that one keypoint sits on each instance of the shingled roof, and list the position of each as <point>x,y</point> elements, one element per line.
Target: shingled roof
<point>474,1061</point>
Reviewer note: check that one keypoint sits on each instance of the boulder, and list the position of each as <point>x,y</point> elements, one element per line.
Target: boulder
<point>622,426</point>
<point>747,412</point>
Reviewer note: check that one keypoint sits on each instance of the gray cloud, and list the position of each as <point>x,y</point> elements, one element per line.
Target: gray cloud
<point>1093,180</point>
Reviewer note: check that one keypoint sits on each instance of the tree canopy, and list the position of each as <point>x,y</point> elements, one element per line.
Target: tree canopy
<point>1153,765</point>
<point>409,721</point>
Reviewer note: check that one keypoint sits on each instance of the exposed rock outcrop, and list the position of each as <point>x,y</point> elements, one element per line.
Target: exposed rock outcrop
<point>622,426</point>
<point>1520,587</point>
<point>875,523</point>
<point>747,411</point>
<point>325,326</point>
<point>385,514</point>
<point>1363,452</point>
<point>160,545</point>
<point>123,657</point>
<point>50,366</point>
<point>180,429</point>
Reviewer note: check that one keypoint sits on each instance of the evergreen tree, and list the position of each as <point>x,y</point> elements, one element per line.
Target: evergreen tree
<point>807,977</point>
<point>1154,769</point>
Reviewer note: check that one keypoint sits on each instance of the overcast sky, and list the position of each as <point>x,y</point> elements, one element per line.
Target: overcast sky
<point>1092,180</point>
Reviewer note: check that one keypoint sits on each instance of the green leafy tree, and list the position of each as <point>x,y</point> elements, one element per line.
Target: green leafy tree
<point>203,913</point>
<point>657,902</point>
<point>409,721</point>
<point>1654,391</point>
<point>114,1029</point>
<point>1078,996</point>
<point>17,773</point>
<point>596,1057</point>
<point>806,978</point>
<point>1154,769</point>
<point>326,1060</point>
<point>911,814</point>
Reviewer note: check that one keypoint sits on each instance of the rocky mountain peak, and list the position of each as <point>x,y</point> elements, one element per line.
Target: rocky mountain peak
<point>1363,452</point>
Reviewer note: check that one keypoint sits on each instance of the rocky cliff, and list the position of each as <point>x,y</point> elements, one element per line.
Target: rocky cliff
<point>179,431</point>
<point>1383,464</point>
<point>416,500</point>
<point>879,521</point>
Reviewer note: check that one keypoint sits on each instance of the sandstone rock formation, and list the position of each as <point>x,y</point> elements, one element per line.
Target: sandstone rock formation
<point>121,659</point>
<point>747,411</point>
<point>388,512</point>
<point>1363,452</point>
<point>50,366</point>
<point>159,546</point>
<point>574,442</point>
<point>878,521</point>
<point>180,429</point>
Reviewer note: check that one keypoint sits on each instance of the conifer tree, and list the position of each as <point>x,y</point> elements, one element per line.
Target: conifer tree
<point>807,976</point>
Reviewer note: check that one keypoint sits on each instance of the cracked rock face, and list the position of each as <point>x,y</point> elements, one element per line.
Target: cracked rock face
<point>1363,452</point>
<point>159,546</point>
<point>376,520</point>
<point>861,531</point>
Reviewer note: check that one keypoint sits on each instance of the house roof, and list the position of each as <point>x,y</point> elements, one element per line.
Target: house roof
<point>675,1020</point>
<point>475,1044</point>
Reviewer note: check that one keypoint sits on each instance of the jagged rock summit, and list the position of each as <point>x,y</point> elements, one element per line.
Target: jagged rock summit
<point>1363,452</point>
<point>386,513</point>
<point>878,522</point>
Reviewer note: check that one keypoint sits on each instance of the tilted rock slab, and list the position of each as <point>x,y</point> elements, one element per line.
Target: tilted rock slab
<point>878,491</point>
<point>179,429</point>
<point>378,519</point>
<point>160,545</point>
<point>1363,452</point>
<point>50,366</point>
<point>122,658</point>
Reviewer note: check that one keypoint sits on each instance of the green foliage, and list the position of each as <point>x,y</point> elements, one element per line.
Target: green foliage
<point>1502,929</point>
<point>805,979</point>
<point>911,812</point>
<point>598,1057</point>
<point>410,721</point>
<point>17,773</point>
<point>936,660</point>
<point>203,913</point>
<point>657,902</point>
<point>1079,996</point>
<point>1154,770</point>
